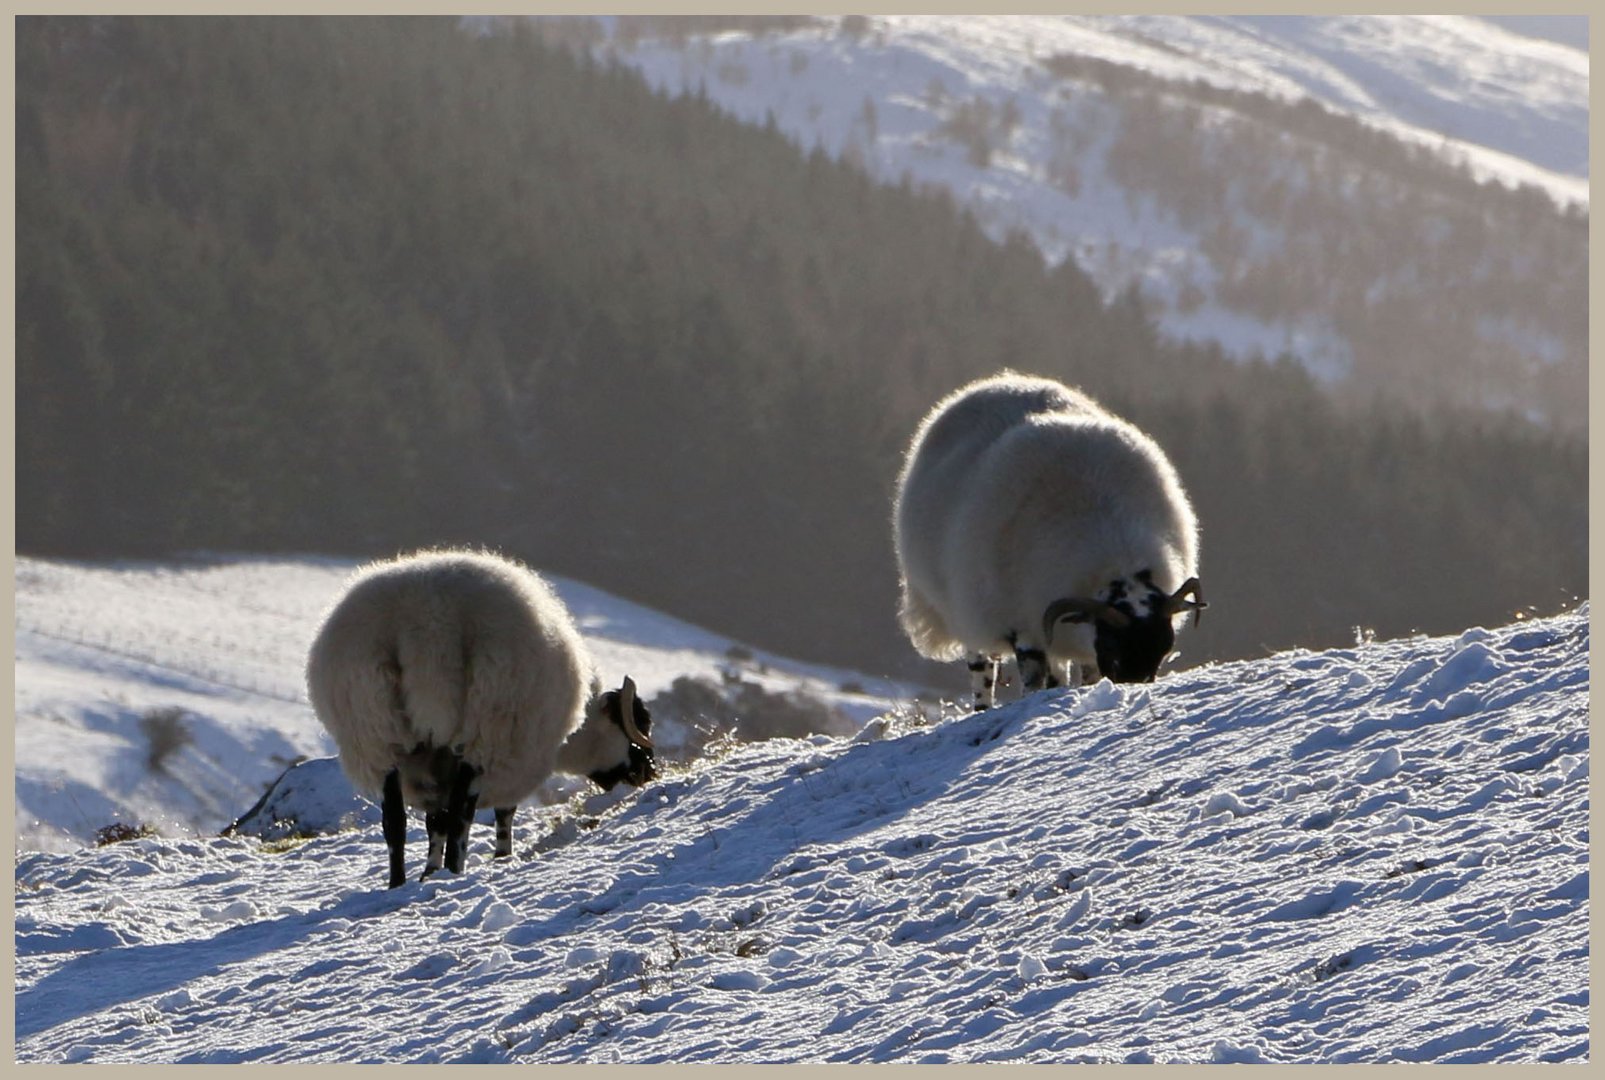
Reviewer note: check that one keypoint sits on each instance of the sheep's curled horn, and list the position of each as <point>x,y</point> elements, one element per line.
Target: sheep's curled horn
<point>627,715</point>
<point>1078,609</point>
<point>1083,610</point>
<point>1190,587</point>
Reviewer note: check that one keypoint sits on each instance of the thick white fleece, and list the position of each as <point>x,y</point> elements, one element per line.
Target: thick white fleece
<point>1018,491</point>
<point>451,648</point>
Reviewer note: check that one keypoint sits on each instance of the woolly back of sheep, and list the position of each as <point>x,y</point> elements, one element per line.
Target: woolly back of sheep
<point>450,648</point>
<point>1063,505</point>
<point>941,457</point>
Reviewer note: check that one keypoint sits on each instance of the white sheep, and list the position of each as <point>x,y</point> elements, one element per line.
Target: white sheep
<point>447,677</point>
<point>1031,521</point>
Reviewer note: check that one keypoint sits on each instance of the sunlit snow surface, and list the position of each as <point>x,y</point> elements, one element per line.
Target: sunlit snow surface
<point>1362,855</point>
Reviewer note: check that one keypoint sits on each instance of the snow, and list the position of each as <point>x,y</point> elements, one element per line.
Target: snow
<point>220,643</point>
<point>1370,854</point>
<point>1515,107</point>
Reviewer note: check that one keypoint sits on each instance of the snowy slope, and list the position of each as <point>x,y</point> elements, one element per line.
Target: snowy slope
<point>1514,108</point>
<point>1363,855</point>
<point>889,94</point>
<point>221,644</point>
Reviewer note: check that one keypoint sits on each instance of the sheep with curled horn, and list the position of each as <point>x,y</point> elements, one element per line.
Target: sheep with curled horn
<point>453,677</point>
<point>1029,521</point>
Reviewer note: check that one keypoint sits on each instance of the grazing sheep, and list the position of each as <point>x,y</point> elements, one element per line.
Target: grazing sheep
<point>1030,520</point>
<point>447,677</point>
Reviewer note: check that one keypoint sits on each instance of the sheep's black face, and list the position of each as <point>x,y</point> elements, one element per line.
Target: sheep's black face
<point>1134,651</point>
<point>426,774</point>
<point>640,765</point>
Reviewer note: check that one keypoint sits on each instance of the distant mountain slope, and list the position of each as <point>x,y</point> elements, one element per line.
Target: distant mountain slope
<point>359,285</point>
<point>1513,108</point>
<point>1371,854</point>
<point>1568,30</point>
<point>1306,185</point>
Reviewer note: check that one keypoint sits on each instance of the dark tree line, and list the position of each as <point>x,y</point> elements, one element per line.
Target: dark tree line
<point>355,285</point>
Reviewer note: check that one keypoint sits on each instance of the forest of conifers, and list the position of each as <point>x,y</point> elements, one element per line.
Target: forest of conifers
<point>350,286</point>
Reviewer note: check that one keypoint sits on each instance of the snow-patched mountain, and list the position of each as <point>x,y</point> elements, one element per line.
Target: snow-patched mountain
<point>1301,185</point>
<point>1368,854</point>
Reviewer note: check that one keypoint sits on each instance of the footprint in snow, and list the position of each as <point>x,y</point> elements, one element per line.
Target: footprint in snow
<point>902,847</point>
<point>739,980</point>
<point>1470,664</point>
<point>238,911</point>
<point>1076,910</point>
<point>1102,697</point>
<point>1382,767</point>
<point>499,916</point>
<point>498,959</point>
<point>1226,802</point>
<point>1227,1052</point>
<point>431,967</point>
<point>175,1001</point>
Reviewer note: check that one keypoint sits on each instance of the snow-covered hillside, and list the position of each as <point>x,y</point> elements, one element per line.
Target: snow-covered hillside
<point>1005,112</point>
<point>206,659</point>
<point>1377,853</point>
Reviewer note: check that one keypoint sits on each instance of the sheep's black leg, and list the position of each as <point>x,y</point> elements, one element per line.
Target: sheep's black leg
<point>460,807</point>
<point>437,822</point>
<point>504,831</point>
<point>1034,673</point>
<point>983,679</point>
<point>395,826</point>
